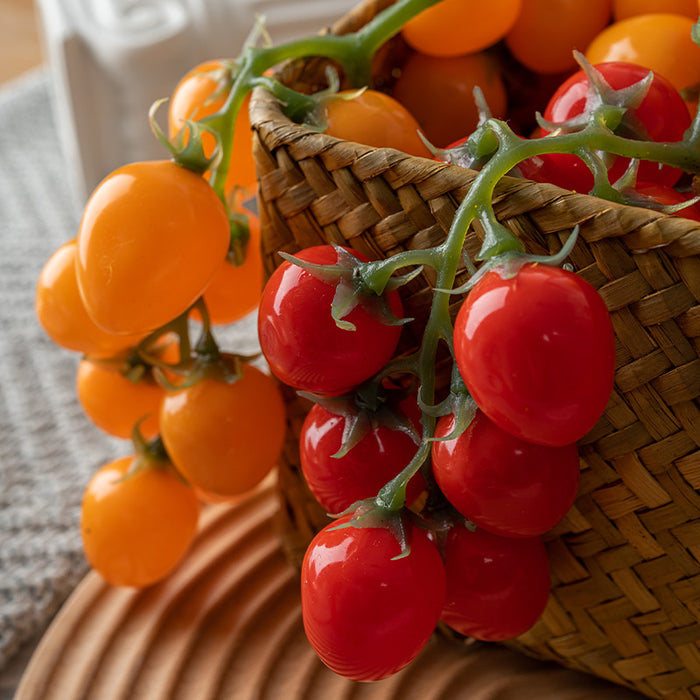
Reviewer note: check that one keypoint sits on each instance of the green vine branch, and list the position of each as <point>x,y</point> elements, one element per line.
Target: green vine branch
<point>355,52</point>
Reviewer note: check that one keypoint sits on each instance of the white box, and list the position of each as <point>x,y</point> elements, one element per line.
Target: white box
<point>111,59</point>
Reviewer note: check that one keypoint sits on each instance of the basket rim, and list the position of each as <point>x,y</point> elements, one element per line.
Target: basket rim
<point>677,236</point>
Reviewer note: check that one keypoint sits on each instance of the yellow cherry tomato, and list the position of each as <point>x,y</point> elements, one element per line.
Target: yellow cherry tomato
<point>137,525</point>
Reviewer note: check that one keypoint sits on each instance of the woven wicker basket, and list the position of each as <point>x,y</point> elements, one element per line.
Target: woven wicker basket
<point>625,601</point>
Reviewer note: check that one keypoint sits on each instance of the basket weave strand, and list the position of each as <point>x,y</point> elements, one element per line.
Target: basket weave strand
<point>625,601</point>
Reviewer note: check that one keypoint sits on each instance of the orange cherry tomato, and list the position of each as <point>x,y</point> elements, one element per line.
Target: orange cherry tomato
<point>61,311</point>
<point>115,403</point>
<point>546,32</point>
<point>458,27</point>
<point>439,93</point>
<point>622,9</point>
<point>203,92</point>
<point>137,525</point>
<point>661,42</point>
<point>374,119</point>
<point>235,290</point>
<point>152,237</point>
<point>225,437</point>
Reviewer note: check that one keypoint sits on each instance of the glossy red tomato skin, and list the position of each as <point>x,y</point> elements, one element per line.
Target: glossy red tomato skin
<point>366,616</point>
<point>504,485</point>
<point>302,343</point>
<point>665,195</point>
<point>337,482</point>
<point>537,351</point>
<point>663,113</point>
<point>497,587</point>
<point>560,169</point>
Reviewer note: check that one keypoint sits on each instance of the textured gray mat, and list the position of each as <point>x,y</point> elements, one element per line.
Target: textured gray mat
<point>48,449</point>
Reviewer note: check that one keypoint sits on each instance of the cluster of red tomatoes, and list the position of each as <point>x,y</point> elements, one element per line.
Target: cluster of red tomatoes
<point>154,264</point>
<point>535,348</point>
<point>533,345</point>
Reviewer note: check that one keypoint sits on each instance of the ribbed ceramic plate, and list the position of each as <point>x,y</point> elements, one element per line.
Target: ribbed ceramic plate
<point>227,624</point>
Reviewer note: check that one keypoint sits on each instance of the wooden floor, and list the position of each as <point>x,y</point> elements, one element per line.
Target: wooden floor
<point>20,48</point>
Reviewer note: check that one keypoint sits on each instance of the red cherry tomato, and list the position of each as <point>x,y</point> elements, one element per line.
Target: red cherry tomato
<point>537,352</point>
<point>504,485</point>
<point>497,587</point>
<point>302,343</point>
<point>662,114</point>
<point>366,614</point>
<point>337,482</point>
<point>662,194</point>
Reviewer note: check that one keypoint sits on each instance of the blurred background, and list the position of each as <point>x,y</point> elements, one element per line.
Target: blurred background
<point>109,60</point>
<point>20,48</point>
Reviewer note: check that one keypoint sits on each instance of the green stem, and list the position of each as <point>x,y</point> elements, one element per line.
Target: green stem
<point>393,495</point>
<point>477,204</point>
<point>376,274</point>
<point>355,52</point>
<point>514,149</point>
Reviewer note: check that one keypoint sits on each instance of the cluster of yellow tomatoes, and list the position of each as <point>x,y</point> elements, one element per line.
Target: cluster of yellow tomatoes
<point>158,263</point>
<point>518,51</point>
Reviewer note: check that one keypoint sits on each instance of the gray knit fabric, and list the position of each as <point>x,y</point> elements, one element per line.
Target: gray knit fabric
<point>48,449</point>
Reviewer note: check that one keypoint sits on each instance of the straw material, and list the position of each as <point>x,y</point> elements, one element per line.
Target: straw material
<point>625,601</point>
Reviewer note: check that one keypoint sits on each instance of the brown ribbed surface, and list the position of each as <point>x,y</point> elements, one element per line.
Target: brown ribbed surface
<point>625,603</point>
<point>227,624</point>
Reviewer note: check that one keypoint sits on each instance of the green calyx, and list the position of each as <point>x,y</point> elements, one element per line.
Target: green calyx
<point>351,290</point>
<point>612,106</point>
<point>196,361</point>
<point>365,409</point>
<point>186,148</point>
<point>148,454</point>
<point>399,522</point>
<point>477,148</point>
<point>627,187</point>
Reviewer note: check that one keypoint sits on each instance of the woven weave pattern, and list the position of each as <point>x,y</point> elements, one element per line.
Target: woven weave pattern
<point>625,601</point>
